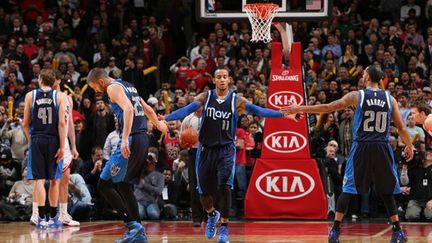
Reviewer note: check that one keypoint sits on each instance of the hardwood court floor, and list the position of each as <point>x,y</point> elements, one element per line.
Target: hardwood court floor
<point>181,231</point>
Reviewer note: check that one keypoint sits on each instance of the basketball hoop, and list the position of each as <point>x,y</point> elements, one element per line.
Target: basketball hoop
<point>260,16</point>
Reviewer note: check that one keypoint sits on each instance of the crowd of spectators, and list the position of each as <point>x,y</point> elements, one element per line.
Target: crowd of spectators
<point>126,38</point>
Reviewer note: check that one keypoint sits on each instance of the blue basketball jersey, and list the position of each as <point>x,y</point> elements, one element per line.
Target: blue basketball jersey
<point>44,113</point>
<point>218,120</point>
<point>372,116</point>
<point>139,120</point>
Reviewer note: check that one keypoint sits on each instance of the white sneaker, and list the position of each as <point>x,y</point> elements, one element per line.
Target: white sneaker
<point>67,220</point>
<point>34,219</point>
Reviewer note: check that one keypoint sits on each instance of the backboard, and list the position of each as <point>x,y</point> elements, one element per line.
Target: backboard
<point>289,10</point>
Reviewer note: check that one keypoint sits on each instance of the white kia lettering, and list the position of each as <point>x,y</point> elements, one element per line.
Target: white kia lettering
<point>284,98</point>
<point>285,142</point>
<point>296,189</point>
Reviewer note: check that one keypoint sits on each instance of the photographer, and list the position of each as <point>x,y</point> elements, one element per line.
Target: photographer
<point>18,203</point>
<point>420,190</point>
<point>13,131</point>
<point>91,169</point>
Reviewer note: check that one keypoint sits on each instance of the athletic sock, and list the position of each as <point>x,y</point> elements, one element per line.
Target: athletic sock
<point>63,208</point>
<point>396,226</point>
<point>35,210</point>
<point>41,210</point>
<point>53,212</point>
<point>336,225</point>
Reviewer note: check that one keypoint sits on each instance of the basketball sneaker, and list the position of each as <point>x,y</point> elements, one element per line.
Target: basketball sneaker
<point>223,235</point>
<point>34,219</point>
<point>398,237</point>
<point>41,223</point>
<point>133,230</point>
<point>54,223</point>
<point>141,238</point>
<point>333,236</point>
<point>66,219</point>
<point>211,226</point>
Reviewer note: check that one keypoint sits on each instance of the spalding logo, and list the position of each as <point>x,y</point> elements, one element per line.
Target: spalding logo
<point>285,184</point>
<point>285,142</point>
<point>284,98</point>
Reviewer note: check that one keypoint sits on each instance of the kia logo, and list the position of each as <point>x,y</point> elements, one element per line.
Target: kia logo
<point>285,142</point>
<point>285,184</point>
<point>284,98</point>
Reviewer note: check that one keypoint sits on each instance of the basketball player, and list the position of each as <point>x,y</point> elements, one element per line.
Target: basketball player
<point>421,113</point>
<point>127,162</point>
<point>69,155</point>
<point>371,157</point>
<point>45,128</point>
<point>216,151</point>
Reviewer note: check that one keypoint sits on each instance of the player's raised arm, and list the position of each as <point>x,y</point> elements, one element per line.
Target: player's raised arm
<point>402,130</point>
<point>118,96</point>
<point>62,99</point>
<point>349,99</point>
<point>151,115</point>
<point>181,113</point>
<point>27,114</point>
<point>244,105</point>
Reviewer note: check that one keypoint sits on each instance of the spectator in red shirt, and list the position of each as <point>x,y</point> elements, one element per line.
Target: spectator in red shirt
<point>181,70</point>
<point>199,75</point>
<point>242,139</point>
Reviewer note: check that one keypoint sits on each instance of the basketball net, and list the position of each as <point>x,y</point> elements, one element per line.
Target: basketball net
<point>260,16</point>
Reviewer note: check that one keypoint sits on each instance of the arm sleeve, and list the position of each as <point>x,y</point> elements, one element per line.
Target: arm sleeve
<point>183,112</point>
<point>264,112</point>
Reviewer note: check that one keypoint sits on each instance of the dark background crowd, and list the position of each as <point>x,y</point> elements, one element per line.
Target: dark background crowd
<point>128,38</point>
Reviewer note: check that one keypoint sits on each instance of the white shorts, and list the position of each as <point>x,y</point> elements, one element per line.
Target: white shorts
<point>67,157</point>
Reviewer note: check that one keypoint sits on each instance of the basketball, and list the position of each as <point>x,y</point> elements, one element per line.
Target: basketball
<point>188,138</point>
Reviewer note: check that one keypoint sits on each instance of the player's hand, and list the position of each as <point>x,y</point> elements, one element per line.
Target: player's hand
<point>160,117</point>
<point>125,148</point>
<point>75,154</point>
<point>181,166</point>
<point>429,204</point>
<point>59,154</point>
<point>161,126</point>
<point>295,117</point>
<point>409,153</point>
<point>290,109</point>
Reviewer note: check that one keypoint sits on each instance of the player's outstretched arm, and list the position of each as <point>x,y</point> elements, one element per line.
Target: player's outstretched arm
<point>118,96</point>
<point>349,99</point>
<point>244,105</point>
<point>27,114</point>
<point>402,130</point>
<point>181,113</point>
<point>151,115</point>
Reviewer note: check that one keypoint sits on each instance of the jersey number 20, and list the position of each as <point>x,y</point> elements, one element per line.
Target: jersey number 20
<point>375,121</point>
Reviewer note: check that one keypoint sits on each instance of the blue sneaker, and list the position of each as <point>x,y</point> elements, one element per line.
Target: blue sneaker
<point>54,223</point>
<point>333,236</point>
<point>41,223</point>
<point>211,226</point>
<point>398,237</point>
<point>141,238</point>
<point>223,235</point>
<point>134,229</point>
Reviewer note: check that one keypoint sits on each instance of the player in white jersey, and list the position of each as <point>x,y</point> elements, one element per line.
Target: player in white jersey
<point>422,114</point>
<point>69,155</point>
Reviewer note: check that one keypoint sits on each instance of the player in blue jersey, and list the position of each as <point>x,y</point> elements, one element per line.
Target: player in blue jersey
<point>216,150</point>
<point>125,165</point>
<point>371,156</point>
<point>44,125</point>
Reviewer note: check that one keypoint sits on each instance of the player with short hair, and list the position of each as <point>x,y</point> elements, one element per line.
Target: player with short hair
<point>45,128</point>
<point>371,156</point>
<point>125,165</point>
<point>215,164</point>
<point>422,114</point>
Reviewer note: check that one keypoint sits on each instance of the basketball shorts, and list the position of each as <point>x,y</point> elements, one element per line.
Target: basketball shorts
<point>119,169</point>
<point>215,167</point>
<point>41,163</point>
<point>371,163</point>
<point>67,157</point>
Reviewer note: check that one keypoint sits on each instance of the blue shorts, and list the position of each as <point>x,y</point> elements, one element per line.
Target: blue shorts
<point>120,169</point>
<point>371,163</point>
<point>215,167</point>
<point>41,163</point>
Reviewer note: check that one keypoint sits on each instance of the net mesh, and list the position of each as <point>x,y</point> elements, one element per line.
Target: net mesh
<point>260,16</point>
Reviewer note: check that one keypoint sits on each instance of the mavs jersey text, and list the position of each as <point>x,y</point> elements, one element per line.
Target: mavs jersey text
<point>216,151</point>
<point>371,156</point>
<point>44,136</point>
<point>119,168</point>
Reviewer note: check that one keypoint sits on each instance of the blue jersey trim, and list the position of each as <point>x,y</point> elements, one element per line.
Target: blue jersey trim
<point>29,164</point>
<point>358,114</point>
<point>197,159</point>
